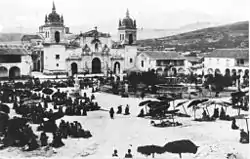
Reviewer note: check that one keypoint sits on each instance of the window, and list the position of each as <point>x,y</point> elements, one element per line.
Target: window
<point>130,60</point>
<point>142,63</point>
<point>57,57</point>
<point>57,65</point>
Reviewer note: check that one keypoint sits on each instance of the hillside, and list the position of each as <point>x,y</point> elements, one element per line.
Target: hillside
<point>226,36</point>
<point>10,37</point>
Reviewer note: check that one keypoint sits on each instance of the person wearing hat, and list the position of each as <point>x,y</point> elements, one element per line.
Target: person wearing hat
<point>128,155</point>
<point>115,153</point>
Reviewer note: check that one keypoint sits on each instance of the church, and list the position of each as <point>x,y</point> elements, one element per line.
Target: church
<point>90,52</point>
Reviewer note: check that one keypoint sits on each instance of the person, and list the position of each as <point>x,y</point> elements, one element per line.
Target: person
<point>44,139</point>
<point>32,144</point>
<point>244,137</point>
<point>119,110</point>
<point>128,155</point>
<point>216,113</point>
<point>127,110</point>
<point>115,154</point>
<point>222,113</point>
<point>57,140</point>
<point>92,97</point>
<point>204,115</point>
<point>141,113</point>
<point>234,126</point>
<point>111,113</point>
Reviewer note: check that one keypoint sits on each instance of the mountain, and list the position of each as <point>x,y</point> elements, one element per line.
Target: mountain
<point>225,36</point>
<point>10,37</point>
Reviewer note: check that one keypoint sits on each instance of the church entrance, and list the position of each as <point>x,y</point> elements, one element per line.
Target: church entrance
<point>117,68</point>
<point>73,69</point>
<point>3,72</point>
<point>130,39</point>
<point>14,72</point>
<point>96,66</point>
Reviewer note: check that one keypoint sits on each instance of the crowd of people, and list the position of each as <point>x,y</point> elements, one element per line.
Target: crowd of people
<point>37,103</point>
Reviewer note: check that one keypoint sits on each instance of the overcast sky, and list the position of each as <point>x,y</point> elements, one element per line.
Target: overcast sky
<point>162,14</point>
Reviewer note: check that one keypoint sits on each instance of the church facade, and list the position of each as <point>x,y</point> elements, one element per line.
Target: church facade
<point>90,52</point>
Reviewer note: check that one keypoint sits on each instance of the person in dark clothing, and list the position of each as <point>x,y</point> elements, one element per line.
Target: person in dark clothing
<point>57,140</point>
<point>216,113</point>
<point>244,137</point>
<point>44,139</point>
<point>127,110</point>
<point>222,113</point>
<point>119,111</point>
<point>115,154</point>
<point>92,97</point>
<point>33,145</point>
<point>141,113</point>
<point>128,155</point>
<point>204,115</point>
<point>234,126</point>
<point>111,113</point>
<point>84,112</point>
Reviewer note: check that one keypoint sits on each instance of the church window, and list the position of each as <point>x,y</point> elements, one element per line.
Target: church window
<point>57,36</point>
<point>57,65</point>
<point>142,63</point>
<point>130,60</point>
<point>57,57</point>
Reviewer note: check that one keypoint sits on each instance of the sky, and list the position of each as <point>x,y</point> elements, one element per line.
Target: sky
<point>18,15</point>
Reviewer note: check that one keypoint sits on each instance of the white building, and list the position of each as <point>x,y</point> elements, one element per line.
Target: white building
<point>159,61</point>
<point>15,61</point>
<point>227,60</point>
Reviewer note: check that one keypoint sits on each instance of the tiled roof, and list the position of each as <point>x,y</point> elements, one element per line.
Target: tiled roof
<point>192,59</point>
<point>12,50</point>
<point>237,53</point>
<point>158,55</point>
<point>30,37</point>
<point>94,33</point>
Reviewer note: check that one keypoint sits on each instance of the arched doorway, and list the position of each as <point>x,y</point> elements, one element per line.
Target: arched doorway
<point>227,72</point>
<point>174,71</point>
<point>74,68</point>
<point>130,39</point>
<point>210,71</point>
<point>117,68</point>
<point>57,36</point>
<point>96,66</point>
<point>3,72</point>
<point>14,72</point>
<point>217,71</point>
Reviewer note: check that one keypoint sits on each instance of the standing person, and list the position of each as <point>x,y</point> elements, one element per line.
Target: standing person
<point>128,155</point>
<point>111,113</point>
<point>115,153</point>
<point>127,110</point>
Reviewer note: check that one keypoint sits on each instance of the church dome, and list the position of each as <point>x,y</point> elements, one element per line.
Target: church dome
<point>127,22</point>
<point>53,17</point>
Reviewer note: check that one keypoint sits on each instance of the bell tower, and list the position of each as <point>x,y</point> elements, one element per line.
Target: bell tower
<point>127,30</point>
<point>54,30</point>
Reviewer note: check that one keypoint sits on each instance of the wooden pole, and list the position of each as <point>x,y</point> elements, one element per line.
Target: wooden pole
<point>247,127</point>
<point>207,111</point>
<point>184,109</point>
